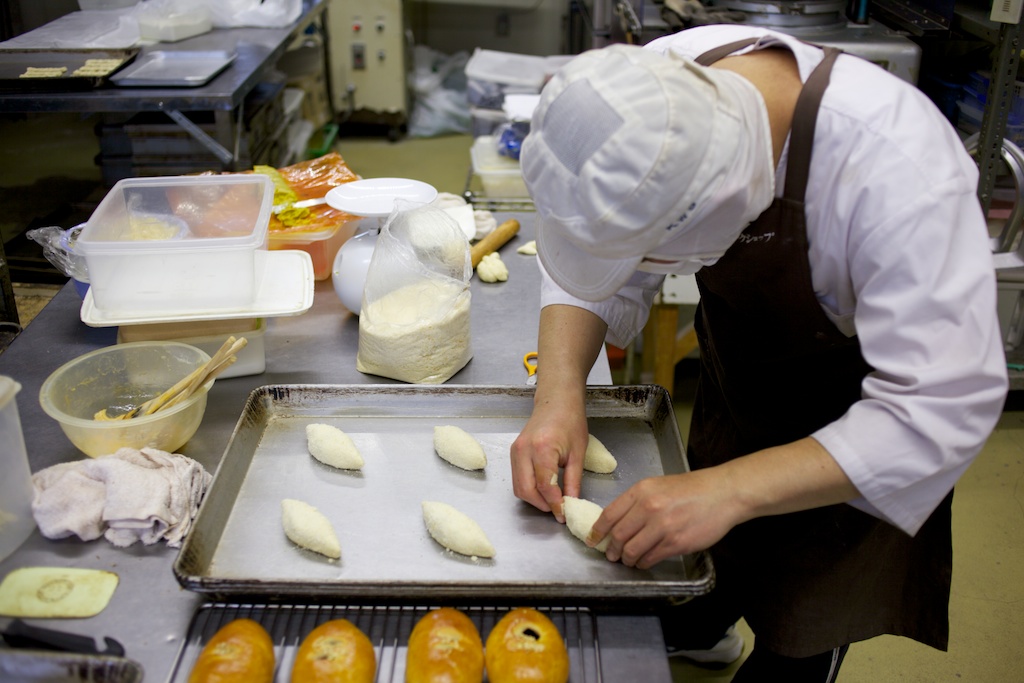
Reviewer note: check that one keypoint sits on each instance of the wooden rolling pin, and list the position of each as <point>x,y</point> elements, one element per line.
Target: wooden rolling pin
<point>493,241</point>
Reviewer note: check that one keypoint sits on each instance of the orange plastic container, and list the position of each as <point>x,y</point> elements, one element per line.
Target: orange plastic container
<point>321,245</point>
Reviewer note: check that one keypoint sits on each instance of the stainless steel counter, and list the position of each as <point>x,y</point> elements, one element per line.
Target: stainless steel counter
<point>150,613</point>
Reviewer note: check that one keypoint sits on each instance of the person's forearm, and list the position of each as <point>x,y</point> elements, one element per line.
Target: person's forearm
<point>569,342</point>
<point>789,478</point>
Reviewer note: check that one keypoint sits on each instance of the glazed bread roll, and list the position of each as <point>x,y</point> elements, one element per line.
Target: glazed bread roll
<point>240,652</point>
<point>445,647</point>
<point>526,647</point>
<point>335,651</point>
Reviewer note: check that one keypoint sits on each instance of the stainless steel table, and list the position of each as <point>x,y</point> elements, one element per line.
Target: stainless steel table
<point>149,613</point>
<point>256,50</point>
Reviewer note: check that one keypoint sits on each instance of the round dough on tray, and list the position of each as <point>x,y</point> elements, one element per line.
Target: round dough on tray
<point>598,459</point>
<point>333,447</point>
<point>456,531</point>
<point>458,447</point>
<point>306,526</point>
<point>580,515</point>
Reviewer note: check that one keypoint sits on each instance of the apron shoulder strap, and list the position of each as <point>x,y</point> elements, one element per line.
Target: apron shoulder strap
<point>805,118</point>
<point>716,53</point>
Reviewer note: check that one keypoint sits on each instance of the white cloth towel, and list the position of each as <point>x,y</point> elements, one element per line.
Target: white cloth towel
<point>129,496</point>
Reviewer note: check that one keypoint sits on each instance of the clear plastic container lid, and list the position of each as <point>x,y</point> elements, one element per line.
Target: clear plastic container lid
<point>140,215</point>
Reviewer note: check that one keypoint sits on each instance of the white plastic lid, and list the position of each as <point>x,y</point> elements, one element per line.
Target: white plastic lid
<point>507,67</point>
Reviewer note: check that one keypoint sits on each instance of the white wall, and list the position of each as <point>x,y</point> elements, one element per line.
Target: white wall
<point>534,27</point>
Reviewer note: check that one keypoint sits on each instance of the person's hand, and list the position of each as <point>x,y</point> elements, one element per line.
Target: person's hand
<point>663,516</point>
<point>552,439</point>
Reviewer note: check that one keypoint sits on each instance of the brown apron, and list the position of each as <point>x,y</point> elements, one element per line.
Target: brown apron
<point>774,369</point>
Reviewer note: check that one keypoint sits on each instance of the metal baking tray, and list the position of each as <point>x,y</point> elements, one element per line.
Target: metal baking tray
<point>174,68</point>
<point>13,63</point>
<point>42,666</point>
<point>237,545</point>
<point>388,628</point>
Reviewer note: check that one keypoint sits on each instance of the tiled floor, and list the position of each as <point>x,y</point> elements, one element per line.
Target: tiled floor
<point>987,618</point>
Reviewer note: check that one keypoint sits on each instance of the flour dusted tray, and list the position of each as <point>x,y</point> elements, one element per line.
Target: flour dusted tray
<point>238,547</point>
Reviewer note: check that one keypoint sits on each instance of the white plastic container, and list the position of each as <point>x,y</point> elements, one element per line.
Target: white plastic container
<point>170,28</point>
<point>16,521</point>
<point>501,177</point>
<point>177,244</point>
<point>209,335</point>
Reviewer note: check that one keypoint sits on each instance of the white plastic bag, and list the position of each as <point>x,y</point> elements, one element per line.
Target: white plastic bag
<point>257,13</point>
<point>414,320</point>
<point>438,84</point>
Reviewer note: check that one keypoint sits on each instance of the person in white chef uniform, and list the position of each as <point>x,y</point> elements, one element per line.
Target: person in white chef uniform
<point>851,365</point>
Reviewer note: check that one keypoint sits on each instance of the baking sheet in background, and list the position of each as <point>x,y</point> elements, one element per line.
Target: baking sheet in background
<point>169,68</point>
<point>13,63</point>
<point>388,628</point>
<point>41,666</point>
<point>238,547</point>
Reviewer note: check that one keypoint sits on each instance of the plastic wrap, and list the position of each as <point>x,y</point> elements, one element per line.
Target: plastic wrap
<point>311,179</point>
<point>59,249</point>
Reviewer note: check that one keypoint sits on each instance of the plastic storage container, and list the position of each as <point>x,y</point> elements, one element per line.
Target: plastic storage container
<point>208,336</point>
<point>501,176</point>
<point>321,245</point>
<point>16,521</point>
<point>177,244</point>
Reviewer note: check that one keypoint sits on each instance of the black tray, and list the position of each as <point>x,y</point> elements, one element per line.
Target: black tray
<point>13,63</point>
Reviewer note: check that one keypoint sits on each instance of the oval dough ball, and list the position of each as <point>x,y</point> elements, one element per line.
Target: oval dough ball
<point>526,646</point>
<point>598,458</point>
<point>333,447</point>
<point>240,651</point>
<point>459,448</point>
<point>455,530</point>
<point>308,527</point>
<point>580,516</point>
<point>445,647</point>
<point>335,652</point>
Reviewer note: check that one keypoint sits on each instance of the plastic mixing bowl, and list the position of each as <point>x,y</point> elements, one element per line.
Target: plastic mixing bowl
<point>121,377</point>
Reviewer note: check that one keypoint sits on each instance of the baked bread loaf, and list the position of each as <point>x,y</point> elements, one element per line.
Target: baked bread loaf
<point>240,652</point>
<point>526,647</point>
<point>445,647</point>
<point>336,652</point>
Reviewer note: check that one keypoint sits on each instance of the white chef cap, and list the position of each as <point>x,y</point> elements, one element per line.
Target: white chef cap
<point>629,150</point>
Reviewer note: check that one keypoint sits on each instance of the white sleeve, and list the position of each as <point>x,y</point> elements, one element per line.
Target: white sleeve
<point>625,313</point>
<point>926,319</point>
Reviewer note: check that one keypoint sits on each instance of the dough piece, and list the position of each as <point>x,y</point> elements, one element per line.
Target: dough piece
<point>308,527</point>
<point>580,516</point>
<point>445,647</point>
<point>528,249</point>
<point>335,652</point>
<point>240,652</point>
<point>597,458</point>
<point>459,448</point>
<point>333,447</point>
<point>455,530</point>
<point>492,269</point>
<point>43,72</point>
<point>526,646</point>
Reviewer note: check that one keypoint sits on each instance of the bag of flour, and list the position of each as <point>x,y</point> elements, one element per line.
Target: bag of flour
<point>414,322</point>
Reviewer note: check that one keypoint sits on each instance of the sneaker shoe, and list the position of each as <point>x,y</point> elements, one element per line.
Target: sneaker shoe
<point>724,652</point>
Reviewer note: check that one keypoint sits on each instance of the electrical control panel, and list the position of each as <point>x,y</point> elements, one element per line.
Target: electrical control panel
<point>369,60</point>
